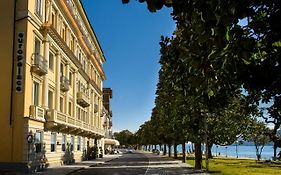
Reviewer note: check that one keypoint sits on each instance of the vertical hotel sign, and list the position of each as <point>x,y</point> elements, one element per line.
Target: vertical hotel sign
<point>19,62</point>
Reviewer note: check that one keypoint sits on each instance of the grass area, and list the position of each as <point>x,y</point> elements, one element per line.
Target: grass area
<point>227,166</point>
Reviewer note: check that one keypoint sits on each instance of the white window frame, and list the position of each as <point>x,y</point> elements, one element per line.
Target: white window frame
<point>53,142</point>
<point>34,94</point>
<point>38,8</point>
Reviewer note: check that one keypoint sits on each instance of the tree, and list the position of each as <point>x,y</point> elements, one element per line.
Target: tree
<point>213,54</point>
<point>257,133</point>
<point>125,137</point>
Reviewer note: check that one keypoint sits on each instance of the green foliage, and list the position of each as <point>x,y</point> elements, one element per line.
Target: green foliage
<point>218,48</point>
<point>125,137</point>
<point>258,133</point>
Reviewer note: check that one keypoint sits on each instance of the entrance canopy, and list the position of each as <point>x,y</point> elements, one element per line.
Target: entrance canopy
<point>111,142</point>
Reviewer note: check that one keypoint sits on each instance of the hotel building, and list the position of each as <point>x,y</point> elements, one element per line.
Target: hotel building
<point>52,84</point>
<point>108,140</point>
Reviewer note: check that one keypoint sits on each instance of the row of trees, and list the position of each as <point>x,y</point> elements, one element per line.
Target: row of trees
<point>221,64</point>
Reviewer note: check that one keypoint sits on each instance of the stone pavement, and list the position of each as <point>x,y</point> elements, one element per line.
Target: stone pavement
<point>159,164</point>
<point>67,169</point>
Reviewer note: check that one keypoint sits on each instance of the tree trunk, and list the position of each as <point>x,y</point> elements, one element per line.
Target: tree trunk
<point>175,151</point>
<point>198,156</point>
<point>165,149</point>
<point>257,152</point>
<point>155,146</point>
<point>210,156</point>
<point>274,151</point>
<point>183,153</point>
<point>169,147</point>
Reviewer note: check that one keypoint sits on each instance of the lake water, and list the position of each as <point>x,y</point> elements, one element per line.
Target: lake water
<point>230,151</point>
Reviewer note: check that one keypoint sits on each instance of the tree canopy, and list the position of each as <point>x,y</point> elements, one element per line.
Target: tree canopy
<point>219,49</point>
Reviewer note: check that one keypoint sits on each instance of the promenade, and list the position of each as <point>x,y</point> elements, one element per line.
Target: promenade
<point>138,162</point>
<point>68,169</point>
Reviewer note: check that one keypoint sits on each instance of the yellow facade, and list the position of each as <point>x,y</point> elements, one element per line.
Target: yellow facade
<point>51,73</point>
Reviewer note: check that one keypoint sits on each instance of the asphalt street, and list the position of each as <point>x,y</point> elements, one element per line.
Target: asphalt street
<point>138,163</point>
<point>127,164</point>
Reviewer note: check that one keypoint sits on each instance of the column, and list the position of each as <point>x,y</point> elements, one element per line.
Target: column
<point>94,106</point>
<point>92,102</point>
<point>58,60</point>
<point>99,113</point>
<point>88,93</point>
<point>66,94</point>
<point>46,44</point>
<point>74,93</point>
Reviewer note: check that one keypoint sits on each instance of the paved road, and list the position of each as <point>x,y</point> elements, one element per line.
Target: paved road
<point>127,164</point>
<point>138,163</point>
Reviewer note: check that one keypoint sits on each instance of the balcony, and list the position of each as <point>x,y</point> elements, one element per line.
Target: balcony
<point>82,99</point>
<point>64,83</point>
<point>65,123</point>
<point>39,65</point>
<point>96,108</point>
<point>36,112</point>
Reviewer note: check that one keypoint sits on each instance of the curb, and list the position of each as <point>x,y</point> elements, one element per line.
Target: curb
<point>74,171</point>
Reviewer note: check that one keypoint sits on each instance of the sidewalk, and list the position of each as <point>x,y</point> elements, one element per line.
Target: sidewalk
<point>168,163</point>
<point>67,169</point>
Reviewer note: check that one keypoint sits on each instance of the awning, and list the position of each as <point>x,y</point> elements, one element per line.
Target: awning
<point>111,142</point>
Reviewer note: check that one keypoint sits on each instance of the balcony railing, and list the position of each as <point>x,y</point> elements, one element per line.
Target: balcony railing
<point>39,65</point>
<point>64,83</point>
<point>82,99</point>
<point>36,112</point>
<point>61,120</point>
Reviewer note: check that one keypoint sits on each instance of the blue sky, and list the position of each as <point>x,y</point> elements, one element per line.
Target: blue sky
<point>129,36</point>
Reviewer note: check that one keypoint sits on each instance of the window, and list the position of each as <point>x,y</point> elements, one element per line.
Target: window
<point>61,69</point>
<point>54,18</point>
<point>64,30</point>
<point>70,78</point>
<point>35,93</point>
<point>37,46</point>
<point>72,43</point>
<point>51,61</point>
<point>78,143</point>
<point>77,113</point>
<point>70,108</point>
<point>53,141</point>
<point>50,99</point>
<point>61,104</point>
<point>38,7</point>
<point>84,143</point>
<point>38,142</point>
<point>72,143</point>
<point>63,140</point>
